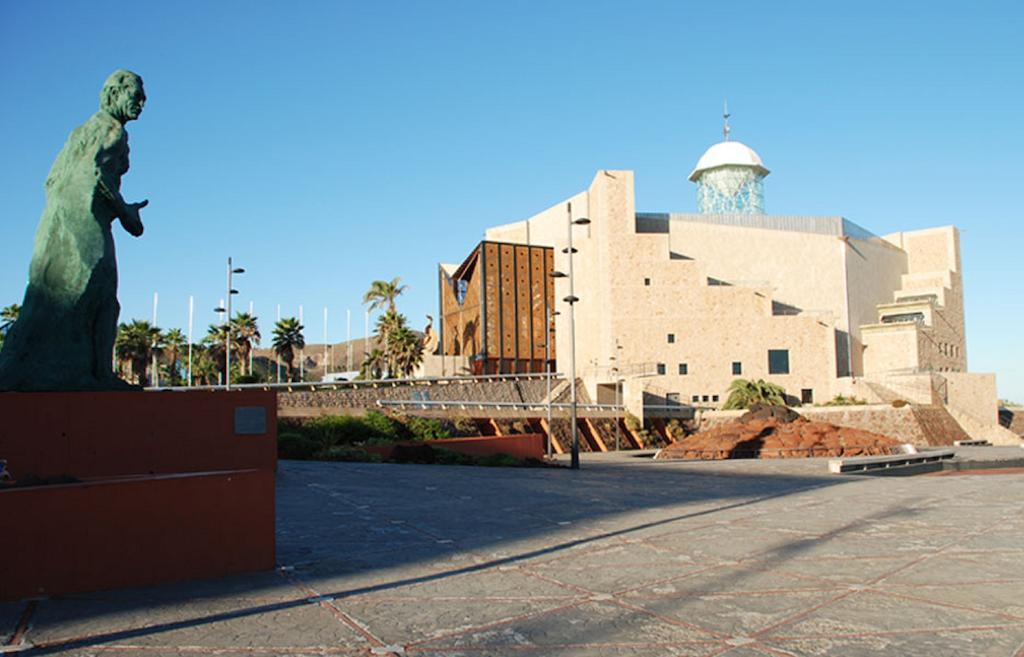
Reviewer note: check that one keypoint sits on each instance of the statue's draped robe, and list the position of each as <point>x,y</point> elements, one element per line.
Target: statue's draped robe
<point>64,336</point>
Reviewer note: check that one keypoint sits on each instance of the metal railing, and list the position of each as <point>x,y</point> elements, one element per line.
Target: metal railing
<point>368,383</point>
<point>444,405</point>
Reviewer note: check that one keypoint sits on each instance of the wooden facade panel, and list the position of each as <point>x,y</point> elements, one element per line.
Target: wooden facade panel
<point>538,302</point>
<point>460,325</point>
<point>508,301</point>
<point>524,306</point>
<point>550,287</point>
<point>508,291</point>
<point>491,301</point>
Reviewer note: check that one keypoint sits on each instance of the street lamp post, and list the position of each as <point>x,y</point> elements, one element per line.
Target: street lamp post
<point>547,368</point>
<point>571,300</point>
<point>227,327</point>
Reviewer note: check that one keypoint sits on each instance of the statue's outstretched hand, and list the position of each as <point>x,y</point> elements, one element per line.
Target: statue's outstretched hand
<point>131,220</point>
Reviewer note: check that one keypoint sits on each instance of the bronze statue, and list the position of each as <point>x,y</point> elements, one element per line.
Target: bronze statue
<point>64,336</point>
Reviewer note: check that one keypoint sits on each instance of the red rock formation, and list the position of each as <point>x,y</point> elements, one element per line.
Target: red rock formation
<point>768,437</point>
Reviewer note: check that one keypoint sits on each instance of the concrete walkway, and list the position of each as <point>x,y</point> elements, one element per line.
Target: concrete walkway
<point>624,557</point>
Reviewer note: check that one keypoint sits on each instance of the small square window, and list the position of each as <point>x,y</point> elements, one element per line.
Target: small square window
<point>806,396</point>
<point>684,369</point>
<point>671,338</point>
<point>714,398</point>
<point>705,398</point>
<point>695,398</point>
<point>647,281</point>
<point>778,361</point>
<point>737,368</point>
<point>661,368</point>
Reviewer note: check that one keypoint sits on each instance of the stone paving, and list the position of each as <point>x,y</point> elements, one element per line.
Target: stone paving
<point>624,557</point>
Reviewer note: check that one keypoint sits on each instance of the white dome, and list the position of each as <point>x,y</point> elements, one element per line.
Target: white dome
<point>728,153</point>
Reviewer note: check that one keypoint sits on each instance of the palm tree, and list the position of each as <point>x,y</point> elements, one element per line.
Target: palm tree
<point>244,333</point>
<point>388,323</point>
<point>216,341</point>
<point>382,294</point>
<point>374,364</point>
<point>405,351</point>
<point>744,393</point>
<point>8,316</point>
<point>174,343</point>
<point>204,369</point>
<point>288,339</point>
<point>135,344</point>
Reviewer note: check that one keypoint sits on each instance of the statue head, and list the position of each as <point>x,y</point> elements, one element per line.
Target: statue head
<point>123,96</point>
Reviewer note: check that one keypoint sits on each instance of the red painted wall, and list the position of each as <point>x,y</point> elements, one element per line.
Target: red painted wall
<point>97,434</point>
<point>523,446</point>
<point>135,532</point>
<point>170,491</point>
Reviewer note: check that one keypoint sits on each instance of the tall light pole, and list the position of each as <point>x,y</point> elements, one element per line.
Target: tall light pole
<point>232,270</point>
<point>547,368</point>
<point>571,300</point>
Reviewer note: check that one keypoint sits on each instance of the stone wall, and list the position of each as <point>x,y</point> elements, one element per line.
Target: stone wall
<point>323,400</point>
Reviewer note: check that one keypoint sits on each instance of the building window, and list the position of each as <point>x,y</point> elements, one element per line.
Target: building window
<point>661,368</point>
<point>714,398</point>
<point>671,338</point>
<point>778,361</point>
<point>684,369</point>
<point>737,368</point>
<point>705,398</point>
<point>806,396</point>
<point>647,281</point>
<point>695,398</point>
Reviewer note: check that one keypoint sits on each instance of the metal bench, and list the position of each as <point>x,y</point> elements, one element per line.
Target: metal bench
<point>869,463</point>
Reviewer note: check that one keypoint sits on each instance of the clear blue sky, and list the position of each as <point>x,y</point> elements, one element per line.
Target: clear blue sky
<point>327,144</point>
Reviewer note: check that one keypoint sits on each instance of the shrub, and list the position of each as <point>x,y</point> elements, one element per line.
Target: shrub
<point>379,425</point>
<point>345,453</point>
<point>498,461</point>
<point>424,428</point>
<point>291,445</point>
<point>465,426</point>
<point>335,430</point>
<point>633,422</point>
<point>842,400</point>
<point>744,393</point>
<point>451,457</point>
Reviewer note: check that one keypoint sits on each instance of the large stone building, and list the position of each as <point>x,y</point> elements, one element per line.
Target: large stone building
<point>672,307</point>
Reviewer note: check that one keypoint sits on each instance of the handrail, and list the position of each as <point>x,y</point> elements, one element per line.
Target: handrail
<point>365,383</point>
<point>469,403</point>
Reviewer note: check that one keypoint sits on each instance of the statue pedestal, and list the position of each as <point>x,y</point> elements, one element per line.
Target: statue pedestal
<point>171,486</point>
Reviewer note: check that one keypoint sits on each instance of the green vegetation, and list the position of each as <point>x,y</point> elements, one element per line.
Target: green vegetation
<point>288,339</point>
<point>8,316</point>
<point>399,349</point>
<point>842,400</point>
<point>349,438</point>
<point>745,393</point>
<point>135,346</point>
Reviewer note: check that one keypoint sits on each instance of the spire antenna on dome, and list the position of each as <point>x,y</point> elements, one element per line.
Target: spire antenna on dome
<point>725,115</point>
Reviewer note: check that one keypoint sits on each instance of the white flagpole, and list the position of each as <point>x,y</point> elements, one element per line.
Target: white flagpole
<point>252,348</point>
<point>327,361</point>
<point>191,305</point>
<point>155,379</point>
